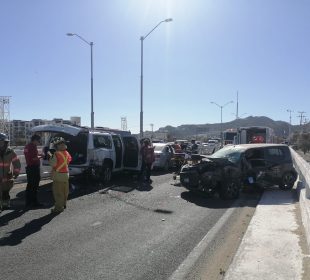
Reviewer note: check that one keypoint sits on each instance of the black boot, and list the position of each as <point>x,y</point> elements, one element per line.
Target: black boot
<point>28,199</point>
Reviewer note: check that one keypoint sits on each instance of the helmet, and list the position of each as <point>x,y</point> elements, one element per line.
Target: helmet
<point>4,137</point>
<point>58,140</point>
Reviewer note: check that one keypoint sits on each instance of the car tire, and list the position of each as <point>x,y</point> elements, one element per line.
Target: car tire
<point>230,190</point>
<point>287,181</point>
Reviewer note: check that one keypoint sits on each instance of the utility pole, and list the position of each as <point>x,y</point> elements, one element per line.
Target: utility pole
<point>237,112</point>
<point>301,116</point>
<point>289,128</point>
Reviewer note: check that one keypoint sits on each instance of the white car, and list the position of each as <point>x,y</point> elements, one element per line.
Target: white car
<point>163,154</point>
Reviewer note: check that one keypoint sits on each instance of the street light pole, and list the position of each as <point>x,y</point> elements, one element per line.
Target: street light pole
<point>91,77</point>
<point>221,107</point>
<point>142,38</point>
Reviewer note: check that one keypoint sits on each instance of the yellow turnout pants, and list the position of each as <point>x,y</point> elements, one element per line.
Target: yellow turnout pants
<point>60,193</point>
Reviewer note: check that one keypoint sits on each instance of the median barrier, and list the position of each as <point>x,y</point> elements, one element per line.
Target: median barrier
<point>303,168</point>
<point>303,188</point>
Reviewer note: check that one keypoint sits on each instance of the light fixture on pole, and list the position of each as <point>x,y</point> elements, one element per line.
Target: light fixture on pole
<point>91,77</point>
<point>221,107</point>
<point>142,38</point>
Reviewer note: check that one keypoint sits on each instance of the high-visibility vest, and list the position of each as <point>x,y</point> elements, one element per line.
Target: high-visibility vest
<point>63,160</point>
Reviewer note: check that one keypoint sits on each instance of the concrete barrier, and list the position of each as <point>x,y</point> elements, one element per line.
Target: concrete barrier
<point>303,188</point>
<point>303,169</point>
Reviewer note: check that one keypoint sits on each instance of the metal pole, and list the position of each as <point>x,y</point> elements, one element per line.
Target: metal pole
<point>221,125</point>
<point>91,78</point>
<point>91,85</point>
<point>141,90</point>
<point>141,80</point>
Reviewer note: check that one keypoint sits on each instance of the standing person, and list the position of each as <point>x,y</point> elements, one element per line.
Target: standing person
<point>10,169</point>
<point>194,147</point>
<point>32,158</point>
<point>177,147</point>
<point>60,174</point>
<point>148,157</point>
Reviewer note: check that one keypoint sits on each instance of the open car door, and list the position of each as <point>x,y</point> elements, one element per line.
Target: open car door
<point>131,157</point>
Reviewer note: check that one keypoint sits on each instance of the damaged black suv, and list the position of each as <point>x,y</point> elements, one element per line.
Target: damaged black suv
<point>234,166</point>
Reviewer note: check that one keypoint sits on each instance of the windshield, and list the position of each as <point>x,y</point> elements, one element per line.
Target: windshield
<point>231,153</point>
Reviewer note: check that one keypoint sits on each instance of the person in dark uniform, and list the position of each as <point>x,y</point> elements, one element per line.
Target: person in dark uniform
<point>32,158</point>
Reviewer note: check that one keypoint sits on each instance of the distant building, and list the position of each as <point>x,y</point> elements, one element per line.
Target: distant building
<point>20,131</point>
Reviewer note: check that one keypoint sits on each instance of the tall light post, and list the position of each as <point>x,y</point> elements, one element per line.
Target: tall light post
<point>142,38</point>
<point>221,107</point>
<point>91,77</point>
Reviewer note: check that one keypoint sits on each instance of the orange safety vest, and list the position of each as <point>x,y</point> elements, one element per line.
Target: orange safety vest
<point>63,160</point>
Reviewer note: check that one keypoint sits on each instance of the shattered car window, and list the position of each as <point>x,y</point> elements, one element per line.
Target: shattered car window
<point>232,154</point>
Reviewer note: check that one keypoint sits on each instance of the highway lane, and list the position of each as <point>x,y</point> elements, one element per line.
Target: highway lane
<point>116,233</point>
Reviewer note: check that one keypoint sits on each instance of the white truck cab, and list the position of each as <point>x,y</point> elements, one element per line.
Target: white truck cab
<point>94,152</point>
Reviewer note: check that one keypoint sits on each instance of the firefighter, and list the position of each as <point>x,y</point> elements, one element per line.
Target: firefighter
<point>9,170</point>
<point>32,158</point>
<point>60,174</point>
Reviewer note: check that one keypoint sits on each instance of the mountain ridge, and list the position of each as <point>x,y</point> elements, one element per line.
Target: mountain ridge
<point>281,128</point>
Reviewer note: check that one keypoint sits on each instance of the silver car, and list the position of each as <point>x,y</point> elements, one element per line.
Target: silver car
<point>163,154</point>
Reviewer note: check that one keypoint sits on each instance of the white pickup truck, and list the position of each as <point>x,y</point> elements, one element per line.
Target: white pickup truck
<point>94,152</point>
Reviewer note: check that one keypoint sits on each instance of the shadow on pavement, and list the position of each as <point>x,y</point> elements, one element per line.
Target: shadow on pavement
<point>16,236</point>
<point>214,202</point>
<point>6,218</point>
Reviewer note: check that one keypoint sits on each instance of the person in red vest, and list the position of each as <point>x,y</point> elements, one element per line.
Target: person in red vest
<point>32,158</point>
<point>60,174</point>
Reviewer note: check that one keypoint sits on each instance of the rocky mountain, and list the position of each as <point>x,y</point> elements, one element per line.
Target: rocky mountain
<point>280,128</point>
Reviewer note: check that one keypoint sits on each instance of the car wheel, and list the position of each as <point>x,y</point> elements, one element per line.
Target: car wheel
<point>230,190</point>
<point>287,181</point>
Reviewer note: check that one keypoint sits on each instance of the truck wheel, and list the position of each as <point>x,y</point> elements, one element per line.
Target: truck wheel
<point>106,173</point>
<point>230,190</point>
<point>287,181</point>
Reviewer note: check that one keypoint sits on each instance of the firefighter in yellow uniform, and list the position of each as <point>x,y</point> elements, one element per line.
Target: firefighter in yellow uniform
<point>60,174</point>
<point>9,170</point>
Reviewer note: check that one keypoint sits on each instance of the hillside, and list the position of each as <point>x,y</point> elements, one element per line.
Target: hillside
<point>280,127</point>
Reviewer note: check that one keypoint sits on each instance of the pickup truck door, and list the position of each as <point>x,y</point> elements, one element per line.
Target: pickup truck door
<point>131,156</point>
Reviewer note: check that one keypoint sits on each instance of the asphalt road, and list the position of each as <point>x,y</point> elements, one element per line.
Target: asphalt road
<point>123,232</point>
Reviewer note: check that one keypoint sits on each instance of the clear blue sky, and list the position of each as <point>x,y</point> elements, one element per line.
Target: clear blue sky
<point>211,50</point>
